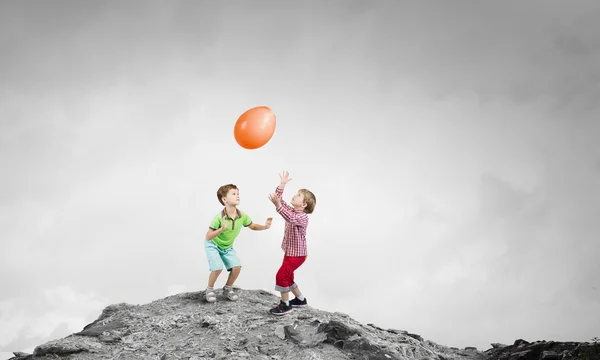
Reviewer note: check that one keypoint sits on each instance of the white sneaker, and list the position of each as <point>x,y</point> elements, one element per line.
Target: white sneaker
<point>228,292</point>
<point>209,295</point>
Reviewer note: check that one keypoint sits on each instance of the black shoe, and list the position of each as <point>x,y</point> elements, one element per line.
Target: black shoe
<point>295,302</point>
<point>281,309</point>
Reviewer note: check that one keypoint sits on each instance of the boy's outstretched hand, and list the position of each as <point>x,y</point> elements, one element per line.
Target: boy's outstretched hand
<point>268,223</point>
<point>275,200</point>
<point>285,178</point>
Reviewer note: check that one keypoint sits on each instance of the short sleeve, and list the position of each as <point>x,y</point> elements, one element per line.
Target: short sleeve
<point>246,221</point>
<point>216,222</point>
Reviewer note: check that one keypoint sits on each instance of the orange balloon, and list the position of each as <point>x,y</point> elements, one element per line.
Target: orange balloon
<point>255,127</point>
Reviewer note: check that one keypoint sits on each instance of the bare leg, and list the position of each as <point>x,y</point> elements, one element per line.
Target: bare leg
<point>285,296</point>
<point>212,278</point>
<point>233,274</point>
<point>297,292</point>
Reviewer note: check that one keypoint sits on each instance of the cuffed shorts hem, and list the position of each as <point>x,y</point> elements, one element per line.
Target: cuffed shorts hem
<point>285,288</point>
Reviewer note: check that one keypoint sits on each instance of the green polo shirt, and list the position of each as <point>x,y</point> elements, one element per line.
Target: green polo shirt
<point>225,239</point>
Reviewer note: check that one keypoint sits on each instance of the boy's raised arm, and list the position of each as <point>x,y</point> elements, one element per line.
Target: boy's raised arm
<point>285,178</point>
<point>286,211</point>
<point>292,216</point>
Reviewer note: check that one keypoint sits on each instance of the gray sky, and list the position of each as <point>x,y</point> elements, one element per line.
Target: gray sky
<point>452,148</point>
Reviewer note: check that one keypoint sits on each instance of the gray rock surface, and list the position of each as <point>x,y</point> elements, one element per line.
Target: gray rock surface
<point>544,350</point>
<point>185,326</point>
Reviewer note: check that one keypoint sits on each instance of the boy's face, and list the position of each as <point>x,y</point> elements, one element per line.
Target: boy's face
<point>298,199</point>
<point>232,198</point>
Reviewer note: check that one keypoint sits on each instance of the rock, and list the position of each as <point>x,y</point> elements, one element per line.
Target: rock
<point>521,355</point>
<point>550,355</point>
<point>186,327</point>
<point>109,339</point>
<point>65,347</point>
<point>280,332</point>
<point>544,350</point>
<point>376,327</point>
<point>471,348</point>
<point>415,336</point>
<point>316,339</point>
<point>111,310</point>
<point>20,354</point>
<point>194,296</point>
<point>293,334</point>
<point>340,314</point>
<point>363,348</point>
<point>209,321</point>
<point>349,339</point>
<point>336,331</point>
<point>95,329</point>
<point>520,342</point>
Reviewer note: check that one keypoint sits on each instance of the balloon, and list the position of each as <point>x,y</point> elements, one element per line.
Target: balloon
<point>255,127</point>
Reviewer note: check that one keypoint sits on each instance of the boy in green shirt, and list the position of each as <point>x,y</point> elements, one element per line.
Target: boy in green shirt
<point>221,234</point>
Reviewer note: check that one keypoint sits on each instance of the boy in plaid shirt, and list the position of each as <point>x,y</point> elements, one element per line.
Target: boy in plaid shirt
<point>293,244</point>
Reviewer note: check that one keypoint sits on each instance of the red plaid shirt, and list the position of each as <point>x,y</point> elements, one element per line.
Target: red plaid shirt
<point>296,222</point>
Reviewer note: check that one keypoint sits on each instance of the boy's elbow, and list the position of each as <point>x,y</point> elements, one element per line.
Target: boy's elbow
<point>301,222</point>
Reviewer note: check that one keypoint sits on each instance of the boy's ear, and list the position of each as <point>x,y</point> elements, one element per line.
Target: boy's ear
<point>304,205</point>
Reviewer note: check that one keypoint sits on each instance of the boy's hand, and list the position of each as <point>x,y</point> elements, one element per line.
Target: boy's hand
<point>268,223</point>
<point>285,178</point>
<point>223,224</point>
<point>275,200</point>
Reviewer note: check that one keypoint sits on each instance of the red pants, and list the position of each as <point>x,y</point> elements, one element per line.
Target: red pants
<point>284,280</point>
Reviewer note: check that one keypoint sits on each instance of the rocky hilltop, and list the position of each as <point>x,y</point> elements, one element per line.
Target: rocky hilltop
<point>184,326</point>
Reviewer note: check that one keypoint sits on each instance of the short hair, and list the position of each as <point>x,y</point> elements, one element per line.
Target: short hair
<point>310,199</point>
<point>223,190</point>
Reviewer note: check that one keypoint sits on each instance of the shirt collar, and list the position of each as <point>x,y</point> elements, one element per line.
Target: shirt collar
<point>238,214</point>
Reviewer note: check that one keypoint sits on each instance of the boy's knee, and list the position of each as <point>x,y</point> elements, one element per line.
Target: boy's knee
<point>236,268</point>
<point>216,272</point>
<point>281,276</point>
<point>284,271</point>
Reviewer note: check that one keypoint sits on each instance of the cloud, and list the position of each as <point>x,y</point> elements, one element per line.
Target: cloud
<point>27,321</point>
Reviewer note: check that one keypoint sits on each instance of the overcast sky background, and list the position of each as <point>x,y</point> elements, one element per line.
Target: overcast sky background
<point>453,149</point>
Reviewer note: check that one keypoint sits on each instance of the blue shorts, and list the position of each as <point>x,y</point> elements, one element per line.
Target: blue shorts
<point>218,257</point>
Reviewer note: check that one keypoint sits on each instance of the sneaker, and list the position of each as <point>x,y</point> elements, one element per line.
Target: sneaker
<point>228,292</point>
<point>209,295</point>
<point>281,309</point>
<point>295,302</point>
